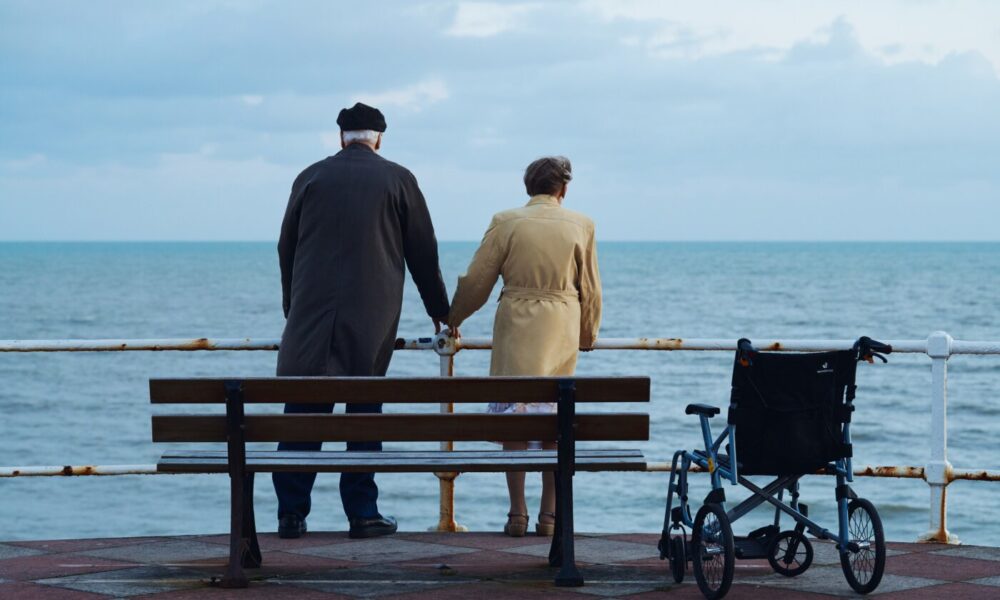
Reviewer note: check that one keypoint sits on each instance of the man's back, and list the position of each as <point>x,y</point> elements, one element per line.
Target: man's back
<point>353,220</point>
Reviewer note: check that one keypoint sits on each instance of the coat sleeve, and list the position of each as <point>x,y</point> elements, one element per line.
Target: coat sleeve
<point>475,286</point>
<point>590,294</point>
<point>420,248</point>
<point>288,240</point>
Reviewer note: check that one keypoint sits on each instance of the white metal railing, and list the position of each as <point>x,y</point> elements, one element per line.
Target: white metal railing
<point>939,346</point>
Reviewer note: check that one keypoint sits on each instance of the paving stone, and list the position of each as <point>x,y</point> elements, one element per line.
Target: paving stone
<point>84,544</point>
<point>55,565</point>
<point>271,541</point>
<point>916,546</point>
<point>978,552</point>
<point>8,551</point>
<point>737,592</point>
<point>276,565</point>
<point>165,552</point>
<point>826,553</point>
<point>383,550</point>
<point>125,583</point>
<point>375,581</point>
<point>265,590</point>
<point>489,564</point>
<point>615,589</point>
<point>31,591</point>
<point>951,591</point>
<point>596,550</point>
<point>830,580</point>
<point>944,566</point>
<point>496,590</point>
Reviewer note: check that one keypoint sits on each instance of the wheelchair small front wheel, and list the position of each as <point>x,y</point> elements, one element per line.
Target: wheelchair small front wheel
<point>678,558</point>
<point>864,564</point>
<point>713,551</point>
<point>790,553</point>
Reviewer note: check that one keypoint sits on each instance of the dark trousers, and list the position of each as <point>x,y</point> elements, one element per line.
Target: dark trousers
<point>358,491</point>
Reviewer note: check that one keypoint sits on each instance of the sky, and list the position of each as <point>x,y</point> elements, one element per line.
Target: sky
<point>727,120</point>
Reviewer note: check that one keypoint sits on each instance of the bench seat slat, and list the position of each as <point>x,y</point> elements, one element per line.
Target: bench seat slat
<point>212,462</point>
<point>401,427</point>
<point>395,390</point>
<point>401,454</point>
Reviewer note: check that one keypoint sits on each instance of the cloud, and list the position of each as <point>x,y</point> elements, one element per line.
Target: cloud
<point>413,97</point>
<point>893,31</point>
<point>682,122</point>
<point>23,164</point>
<point>487,19</point>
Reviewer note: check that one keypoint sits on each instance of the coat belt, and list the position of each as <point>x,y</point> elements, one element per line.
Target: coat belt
<point>523,293</point>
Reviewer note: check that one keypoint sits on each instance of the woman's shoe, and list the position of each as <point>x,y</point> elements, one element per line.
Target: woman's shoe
<point>514,526</point>
<point>546,529</point>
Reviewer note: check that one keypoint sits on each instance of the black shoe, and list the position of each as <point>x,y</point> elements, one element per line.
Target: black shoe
<point>291,526</point>
<point>374,527</point>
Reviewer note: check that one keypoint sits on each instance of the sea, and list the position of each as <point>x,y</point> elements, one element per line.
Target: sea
<point>93,408</point>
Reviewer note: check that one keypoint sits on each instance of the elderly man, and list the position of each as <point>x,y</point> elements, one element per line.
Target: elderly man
<point>352,221</point>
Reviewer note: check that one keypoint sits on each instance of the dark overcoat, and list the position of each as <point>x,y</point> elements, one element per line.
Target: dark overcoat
<point>352,222</point>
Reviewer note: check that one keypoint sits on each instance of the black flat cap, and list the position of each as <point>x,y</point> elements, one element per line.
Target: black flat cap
<point>360,117</point>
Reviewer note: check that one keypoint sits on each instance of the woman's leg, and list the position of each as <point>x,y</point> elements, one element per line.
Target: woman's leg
<point>515,483</point>
<point>517,518</point>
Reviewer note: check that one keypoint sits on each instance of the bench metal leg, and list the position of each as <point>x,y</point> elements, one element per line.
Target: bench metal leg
<point>251,548</point>
<point>235,577</point>
<point>562,542</point>
<point>569,575</point>
<point>243,547</point>
<point>555,549</point>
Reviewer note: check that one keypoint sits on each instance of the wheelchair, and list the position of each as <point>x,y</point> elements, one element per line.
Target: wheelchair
<point>789,416</point>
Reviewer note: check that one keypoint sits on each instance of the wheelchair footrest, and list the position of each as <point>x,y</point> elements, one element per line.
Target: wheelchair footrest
<point>751,547</point>
<point>756,543</point>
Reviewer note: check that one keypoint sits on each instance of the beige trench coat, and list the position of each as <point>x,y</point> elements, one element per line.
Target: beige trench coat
<point>550,306</point>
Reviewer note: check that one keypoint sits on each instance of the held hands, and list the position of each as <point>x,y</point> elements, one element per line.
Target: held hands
<point>450,332</point>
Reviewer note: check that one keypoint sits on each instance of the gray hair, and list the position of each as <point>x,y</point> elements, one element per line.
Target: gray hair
<point>361,135</point>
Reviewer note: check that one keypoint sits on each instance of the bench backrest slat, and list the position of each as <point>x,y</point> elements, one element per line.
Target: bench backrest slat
<point>398,390</point>
<point>401,427</point>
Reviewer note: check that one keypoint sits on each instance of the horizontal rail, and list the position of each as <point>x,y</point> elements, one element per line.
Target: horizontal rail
<point>81,470</point>
<point>444,345</point>
<point>903,472</point>
<point>151,345</point>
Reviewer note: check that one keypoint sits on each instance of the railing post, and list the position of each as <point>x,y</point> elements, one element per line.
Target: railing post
<point>446,348</point>
<point>937,473</point>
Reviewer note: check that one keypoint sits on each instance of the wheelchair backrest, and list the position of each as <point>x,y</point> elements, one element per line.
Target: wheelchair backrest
<point>789,410</point>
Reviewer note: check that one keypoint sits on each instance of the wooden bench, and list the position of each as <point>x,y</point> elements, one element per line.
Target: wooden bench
<point>235,428</point>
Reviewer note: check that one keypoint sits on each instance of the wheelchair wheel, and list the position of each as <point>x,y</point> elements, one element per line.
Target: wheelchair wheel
<point>678,561</point>
<point>714,555</point>
<point>863,568</point>
<point>790,553</point>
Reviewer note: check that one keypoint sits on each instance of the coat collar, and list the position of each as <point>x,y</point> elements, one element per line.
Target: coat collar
<point>543,199</point>
<point>354,146</point>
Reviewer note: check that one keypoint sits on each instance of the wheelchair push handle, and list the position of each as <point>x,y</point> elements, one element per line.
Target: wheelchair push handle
<point>868,349</point>
<point>745,352</point>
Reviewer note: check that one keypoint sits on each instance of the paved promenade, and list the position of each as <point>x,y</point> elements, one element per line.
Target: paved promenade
<point>449,566</point>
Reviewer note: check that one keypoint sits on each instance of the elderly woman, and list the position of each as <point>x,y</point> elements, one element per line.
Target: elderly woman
<point>549,309</point>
